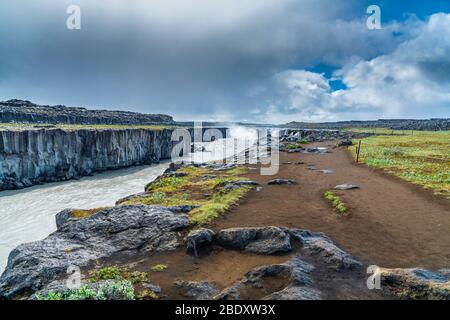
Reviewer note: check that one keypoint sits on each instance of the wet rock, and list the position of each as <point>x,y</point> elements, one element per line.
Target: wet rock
<point>319,245</point>
<point>197,238</point>
<point>266,240</point>
<point>197,290</point>
<point>415,283</point>
<point>79,242</point>
<point>282,182</point>
<point>346,186</point>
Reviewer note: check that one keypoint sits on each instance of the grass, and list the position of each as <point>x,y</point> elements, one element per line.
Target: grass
<point>208,194</point>
<point>422,158</point>
<point>336,202</point>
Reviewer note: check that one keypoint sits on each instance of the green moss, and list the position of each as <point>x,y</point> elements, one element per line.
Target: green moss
<point>219,203</point>
<point>159,268</point>
<point>336,203</point>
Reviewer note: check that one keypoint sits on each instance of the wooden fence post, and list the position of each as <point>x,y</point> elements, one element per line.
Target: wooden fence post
<point>357,151</point>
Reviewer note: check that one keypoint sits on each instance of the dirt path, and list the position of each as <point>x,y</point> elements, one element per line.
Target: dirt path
<point>392,223</point>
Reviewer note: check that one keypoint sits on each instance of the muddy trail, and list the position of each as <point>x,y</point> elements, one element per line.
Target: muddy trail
<point>391,222</point>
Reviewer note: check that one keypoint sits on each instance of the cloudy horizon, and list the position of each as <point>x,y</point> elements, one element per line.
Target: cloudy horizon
<point>266,61</point>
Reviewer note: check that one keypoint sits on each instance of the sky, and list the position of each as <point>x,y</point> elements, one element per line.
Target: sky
<point>266,61</point>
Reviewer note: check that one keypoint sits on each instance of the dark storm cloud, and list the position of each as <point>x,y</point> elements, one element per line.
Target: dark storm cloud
<point>189,58</point>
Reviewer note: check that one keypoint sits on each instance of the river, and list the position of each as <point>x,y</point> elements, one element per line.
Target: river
<point>29,215</point>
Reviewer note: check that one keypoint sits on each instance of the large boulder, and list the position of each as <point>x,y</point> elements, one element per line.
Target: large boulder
<point>79,242</point>
<point>266,240</point>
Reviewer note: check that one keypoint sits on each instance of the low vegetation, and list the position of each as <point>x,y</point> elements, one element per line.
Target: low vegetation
<point>108,290</point>
<point>117,273</point>
<point>336,202</point>
<point>159,268</point>
<point>420,157</point>
<point>201,187</point>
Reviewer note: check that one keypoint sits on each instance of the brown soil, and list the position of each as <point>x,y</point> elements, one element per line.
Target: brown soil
<point>392,223</point>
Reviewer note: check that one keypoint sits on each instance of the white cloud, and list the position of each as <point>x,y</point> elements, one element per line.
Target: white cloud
<point>410,82</point>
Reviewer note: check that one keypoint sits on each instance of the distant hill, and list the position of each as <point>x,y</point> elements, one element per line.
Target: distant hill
<point>22,111</point>
<point>395,124</point>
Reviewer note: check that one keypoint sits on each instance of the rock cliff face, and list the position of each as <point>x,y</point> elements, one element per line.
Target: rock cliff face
<point>38,156</point>
<point>30,157</point>
<point>27,112</point>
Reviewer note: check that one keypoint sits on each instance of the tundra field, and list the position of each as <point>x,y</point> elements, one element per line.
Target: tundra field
<point>420,157</point>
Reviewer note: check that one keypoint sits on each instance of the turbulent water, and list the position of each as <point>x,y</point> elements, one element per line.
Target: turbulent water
<point>28,215</point>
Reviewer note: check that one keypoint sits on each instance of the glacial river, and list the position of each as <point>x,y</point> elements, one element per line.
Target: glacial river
<point>29,215</point>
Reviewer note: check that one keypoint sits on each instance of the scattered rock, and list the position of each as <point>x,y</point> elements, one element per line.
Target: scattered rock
<point>197,238</point>
<point>327,171</point>
<point>197,290</point>
<point>346,186</point>
<point>345,143</point>
<point>282,181</point>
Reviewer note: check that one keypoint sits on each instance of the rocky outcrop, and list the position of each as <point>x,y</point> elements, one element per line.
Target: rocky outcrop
<point>415,283</point>
<point>80,242</point>
<point>21,111</point>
